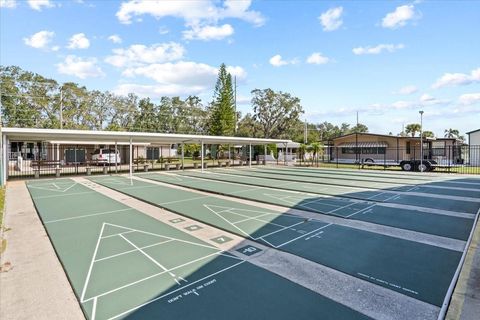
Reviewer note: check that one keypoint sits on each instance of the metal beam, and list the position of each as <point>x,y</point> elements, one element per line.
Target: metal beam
<point>201,156</point>
<point>130,165</point>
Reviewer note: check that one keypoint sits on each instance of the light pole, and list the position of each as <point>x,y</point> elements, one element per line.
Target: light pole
<point>421,140</point>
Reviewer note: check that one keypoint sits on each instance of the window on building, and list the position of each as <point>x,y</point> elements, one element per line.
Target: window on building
<point>153,153</point>
<point>408,147</point>
<point>438,148</point>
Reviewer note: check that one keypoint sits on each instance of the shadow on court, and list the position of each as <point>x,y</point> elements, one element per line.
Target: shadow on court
<point>415,269</point>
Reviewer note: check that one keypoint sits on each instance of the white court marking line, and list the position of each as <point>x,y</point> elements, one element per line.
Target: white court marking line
<point>394,197</point>
<point>117,234</point>
<point>94,308</point>
<point>342,207</point>
<point>133,250</point>
<point>169,293</point>
<point>82,297</point>
<point>57,188</point>
<point>304,235</point>
<point>63,195</point>
<point>361,211</point>
<point>88,215</point>
<point>158,274</point>
<point>254,218</point>
<point>158,264</point>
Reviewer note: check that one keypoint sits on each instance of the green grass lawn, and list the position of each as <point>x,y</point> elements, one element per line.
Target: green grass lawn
<point>3,242</point>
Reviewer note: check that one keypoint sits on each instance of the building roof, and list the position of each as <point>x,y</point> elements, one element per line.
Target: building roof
<point>389,136</point>
<point>473,131</point>
<point>124,137</point>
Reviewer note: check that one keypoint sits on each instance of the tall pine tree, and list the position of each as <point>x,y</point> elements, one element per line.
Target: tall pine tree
<point>222,108</point>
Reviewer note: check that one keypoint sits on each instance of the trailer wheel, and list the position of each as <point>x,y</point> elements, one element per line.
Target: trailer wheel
<point>368,162</point>
<point>423,167</point>
<point>406,166</point>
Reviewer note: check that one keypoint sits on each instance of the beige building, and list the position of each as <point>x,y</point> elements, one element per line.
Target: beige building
<point>474,147</point>
<point>378,148</point>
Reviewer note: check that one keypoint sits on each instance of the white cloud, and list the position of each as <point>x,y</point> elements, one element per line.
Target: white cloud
<point>78,41</point>
<point>407,90</point>
<point>115,38</point>
<point>179,78</point>
<point>139,54</point>
<point>317,58</point>
<point>163,30</point>
<point>457,79</point>
<point>277,61</point>
<point>378,49</point>
<point>10,4</point>
<point>80,67</point>
<point>182,72</point>
<point>331,19</point>
<point>39,40</point>
<point>190,11</point>
<point>469,98</point>
<point>426,97</point>
<point>399,17</point>
<point>206,33</point>
<point>156,91</point>
<point>38,4</point>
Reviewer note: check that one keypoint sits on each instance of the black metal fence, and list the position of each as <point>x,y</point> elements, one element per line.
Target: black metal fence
<point>29,160</point>
<point>463,159</point>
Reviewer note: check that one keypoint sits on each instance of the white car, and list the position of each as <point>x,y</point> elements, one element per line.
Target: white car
<point>106,156</point>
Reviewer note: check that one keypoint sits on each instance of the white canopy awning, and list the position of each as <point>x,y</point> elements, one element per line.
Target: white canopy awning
<point>122,136</point>
<point>364,145</point>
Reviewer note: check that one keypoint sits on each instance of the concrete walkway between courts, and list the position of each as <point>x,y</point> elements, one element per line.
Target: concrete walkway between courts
<point>35,285</point>
<point>465,303</point>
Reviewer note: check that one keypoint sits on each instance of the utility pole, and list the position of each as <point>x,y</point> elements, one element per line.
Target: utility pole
<point>235,96</point>
<point>61,108</point>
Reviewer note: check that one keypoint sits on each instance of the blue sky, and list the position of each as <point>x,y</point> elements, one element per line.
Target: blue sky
<point>385,59</point>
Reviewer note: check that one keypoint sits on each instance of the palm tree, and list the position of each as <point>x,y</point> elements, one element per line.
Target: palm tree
<point>452,133</point>
<point>412,129</point>
<point>428,134</point>
<point>316,147</point>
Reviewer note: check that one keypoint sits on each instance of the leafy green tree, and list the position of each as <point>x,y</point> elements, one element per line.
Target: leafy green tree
<point>359,128</point>
<point>412,129</point>
<point>428,134</point>
<point>452,133</point>
<point>222,108</point>
<point>276,112</point>
<point>146,116</point>
<point>248,127</point>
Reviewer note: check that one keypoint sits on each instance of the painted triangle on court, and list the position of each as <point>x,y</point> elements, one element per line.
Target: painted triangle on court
<point>55,186</point>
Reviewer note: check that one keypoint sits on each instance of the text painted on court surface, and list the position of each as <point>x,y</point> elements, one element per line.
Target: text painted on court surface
<point>191,291</point>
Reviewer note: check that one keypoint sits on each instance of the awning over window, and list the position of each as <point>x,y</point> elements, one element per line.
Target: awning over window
<point>364,145</point>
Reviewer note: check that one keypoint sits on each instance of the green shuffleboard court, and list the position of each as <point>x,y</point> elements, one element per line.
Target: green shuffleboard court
<point>123,264</point>
<point>271,181</point>
<point>415,269</point>
<point>443,225</point>
<point>411,185</point>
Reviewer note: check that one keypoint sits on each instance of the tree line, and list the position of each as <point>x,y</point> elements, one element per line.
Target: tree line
<point>31,100</point>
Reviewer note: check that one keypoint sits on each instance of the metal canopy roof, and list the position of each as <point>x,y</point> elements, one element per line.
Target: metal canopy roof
<point>121,136</point>
<point>364,144</point>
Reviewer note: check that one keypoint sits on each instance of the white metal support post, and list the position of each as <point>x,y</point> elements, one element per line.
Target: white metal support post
<point>250,155</point>
<point>201,157</point>
<point>116,157</point>
<point>58,155</point>
<point>421,140</point>
<point>265,154</point>
<point>131,157</point>
<point>285,155</point>
<point>183,156</point>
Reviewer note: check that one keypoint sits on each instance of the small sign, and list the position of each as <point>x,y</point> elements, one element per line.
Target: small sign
<point>193,227</point>
<point>249,250</point>
<point>221,239</point>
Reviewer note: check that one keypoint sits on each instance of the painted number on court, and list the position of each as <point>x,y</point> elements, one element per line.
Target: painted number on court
<point>221,239</point>
<point>177,220</point>
<point>249,250</point>
<point>193,227</point>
